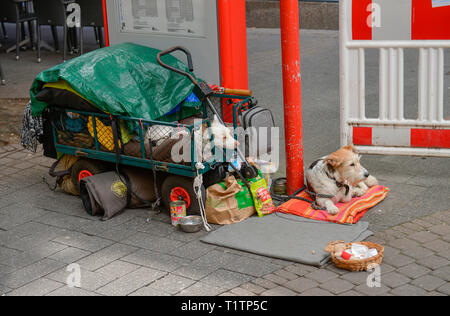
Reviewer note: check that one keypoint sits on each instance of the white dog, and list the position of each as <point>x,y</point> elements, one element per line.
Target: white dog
<point>223,137</point>
<point>338,178</point>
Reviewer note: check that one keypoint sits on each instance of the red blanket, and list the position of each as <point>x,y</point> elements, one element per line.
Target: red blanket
<point>350,213</point>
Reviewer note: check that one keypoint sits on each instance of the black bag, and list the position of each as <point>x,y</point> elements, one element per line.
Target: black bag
<point>109,194</point>
<point>214,176</point>
<point>47,140</point>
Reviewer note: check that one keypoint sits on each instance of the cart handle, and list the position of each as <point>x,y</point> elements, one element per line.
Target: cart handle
<point>189,60</point>
<point>240,92</point>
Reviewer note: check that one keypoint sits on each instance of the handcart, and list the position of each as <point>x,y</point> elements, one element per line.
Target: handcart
<point>103,142</point>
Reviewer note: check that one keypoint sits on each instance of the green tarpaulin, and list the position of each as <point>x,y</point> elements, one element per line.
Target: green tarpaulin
<point>124,79</point>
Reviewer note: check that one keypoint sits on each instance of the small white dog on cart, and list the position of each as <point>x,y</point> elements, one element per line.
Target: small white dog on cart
<point>338,178</point>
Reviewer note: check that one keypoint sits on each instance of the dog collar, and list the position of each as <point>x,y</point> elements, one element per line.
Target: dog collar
<point>338,184</point>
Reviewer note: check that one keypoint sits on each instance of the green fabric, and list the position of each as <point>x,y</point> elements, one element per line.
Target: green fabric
<point>244,198</point>
<point>124,79</point>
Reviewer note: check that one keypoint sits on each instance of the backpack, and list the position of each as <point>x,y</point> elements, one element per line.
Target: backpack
<point>255,118</point>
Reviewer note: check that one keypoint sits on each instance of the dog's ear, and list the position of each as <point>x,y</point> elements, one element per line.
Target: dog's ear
<point>351,148</point>
<point>334,160</point>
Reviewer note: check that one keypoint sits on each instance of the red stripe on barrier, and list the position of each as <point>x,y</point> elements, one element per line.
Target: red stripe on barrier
<point>362,136</point>
<point>360,28</point>
<point>430,23</point>
<point>430,138</point>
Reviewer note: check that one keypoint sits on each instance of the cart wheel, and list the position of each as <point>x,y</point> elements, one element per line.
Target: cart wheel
<point>84,168</point>
<point>181,188</point>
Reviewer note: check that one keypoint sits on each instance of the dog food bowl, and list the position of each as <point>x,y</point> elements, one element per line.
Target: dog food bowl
<point>191,224</point>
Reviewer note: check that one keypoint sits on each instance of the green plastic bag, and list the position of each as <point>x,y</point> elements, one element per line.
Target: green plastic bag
<point>124,79</point>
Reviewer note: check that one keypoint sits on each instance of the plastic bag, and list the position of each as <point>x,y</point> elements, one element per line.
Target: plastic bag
<point>261,197</point>
<point>124,79</point>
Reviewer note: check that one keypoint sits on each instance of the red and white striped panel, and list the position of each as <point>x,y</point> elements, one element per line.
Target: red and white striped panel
<point>401,137</point>
<point>401,19</point>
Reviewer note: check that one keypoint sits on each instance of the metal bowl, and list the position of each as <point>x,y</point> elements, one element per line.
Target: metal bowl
<point>191,224</point>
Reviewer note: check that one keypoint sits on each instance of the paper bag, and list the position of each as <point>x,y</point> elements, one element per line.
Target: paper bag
<point>228,202</point>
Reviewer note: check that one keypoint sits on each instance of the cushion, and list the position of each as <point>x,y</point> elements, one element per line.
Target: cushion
<point>350,213</point>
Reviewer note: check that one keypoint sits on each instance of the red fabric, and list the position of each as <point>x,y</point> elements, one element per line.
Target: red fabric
<point>350,213</point>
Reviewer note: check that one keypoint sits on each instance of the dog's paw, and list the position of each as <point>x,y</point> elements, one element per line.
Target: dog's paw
<point>347,198</point>
<point>371,181</point>
<point>332,209</point>
<point>358,192</point>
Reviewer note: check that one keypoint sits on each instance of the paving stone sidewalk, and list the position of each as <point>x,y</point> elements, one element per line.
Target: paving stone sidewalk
<point>43,232</point>
<point>416,262</point>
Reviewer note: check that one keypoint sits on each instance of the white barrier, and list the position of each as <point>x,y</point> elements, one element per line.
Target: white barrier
<point>391,133</point>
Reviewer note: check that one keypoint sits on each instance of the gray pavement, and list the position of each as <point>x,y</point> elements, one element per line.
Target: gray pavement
<point>42,232</point>
<point>419,186</point>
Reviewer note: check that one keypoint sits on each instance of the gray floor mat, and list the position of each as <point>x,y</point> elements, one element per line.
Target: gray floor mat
<point>287,237</point>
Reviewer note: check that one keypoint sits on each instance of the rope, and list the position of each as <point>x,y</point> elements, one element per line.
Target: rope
<point>116,135</point>
<point>50,187</point>
<point>285,198</point>
<point>198,183</point>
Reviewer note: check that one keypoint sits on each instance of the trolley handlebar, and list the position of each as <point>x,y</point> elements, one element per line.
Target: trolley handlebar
<point>205,89</point>
<point>189,60</point>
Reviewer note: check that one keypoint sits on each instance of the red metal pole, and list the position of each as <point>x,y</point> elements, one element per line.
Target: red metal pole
<point>233,47</point>
<point>105,22</point>
<point>290,44</point>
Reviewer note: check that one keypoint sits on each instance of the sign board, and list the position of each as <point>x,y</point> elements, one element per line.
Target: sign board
<point>163,24</point>
<point>163,17</point>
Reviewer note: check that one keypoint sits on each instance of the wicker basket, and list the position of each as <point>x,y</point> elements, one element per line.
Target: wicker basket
<point>356,265</point>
